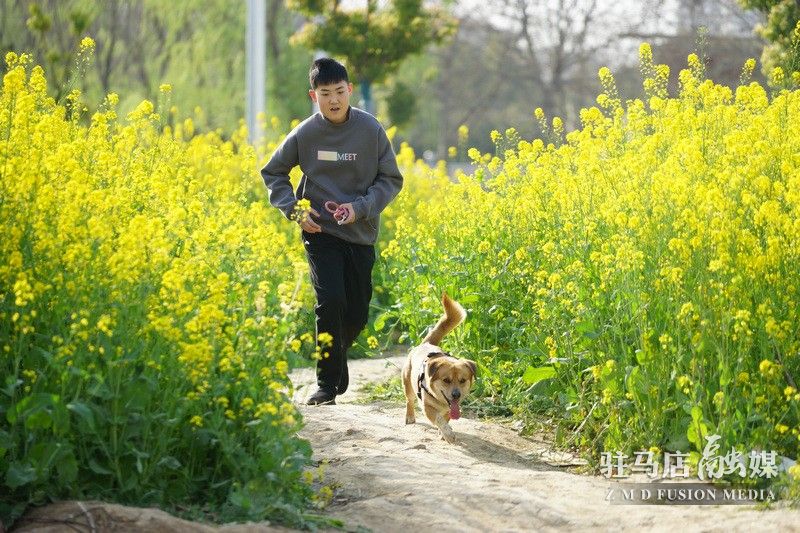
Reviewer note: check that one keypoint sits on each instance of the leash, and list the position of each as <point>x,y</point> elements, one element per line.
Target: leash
<point>339,211</point>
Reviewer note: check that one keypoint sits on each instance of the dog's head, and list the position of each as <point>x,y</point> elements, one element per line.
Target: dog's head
<point>450,379</point>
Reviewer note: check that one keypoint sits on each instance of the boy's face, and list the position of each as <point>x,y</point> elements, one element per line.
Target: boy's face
<point>333,100</point>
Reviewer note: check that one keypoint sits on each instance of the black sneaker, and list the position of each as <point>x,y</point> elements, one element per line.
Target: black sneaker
<point>322,396</point>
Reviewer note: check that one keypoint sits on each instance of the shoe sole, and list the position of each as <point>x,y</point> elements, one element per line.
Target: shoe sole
<point>329,402</point>
<point>332,401</point>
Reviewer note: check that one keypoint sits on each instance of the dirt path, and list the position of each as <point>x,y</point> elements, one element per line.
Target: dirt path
<point>393,477</point>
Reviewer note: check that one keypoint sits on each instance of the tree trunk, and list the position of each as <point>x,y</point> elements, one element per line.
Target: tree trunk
<point>366,96</point>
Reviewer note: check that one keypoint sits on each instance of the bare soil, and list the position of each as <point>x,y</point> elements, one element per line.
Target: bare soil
<point>396,477</point>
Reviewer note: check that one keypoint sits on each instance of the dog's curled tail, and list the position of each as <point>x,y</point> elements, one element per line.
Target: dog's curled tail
<point>454,314</point>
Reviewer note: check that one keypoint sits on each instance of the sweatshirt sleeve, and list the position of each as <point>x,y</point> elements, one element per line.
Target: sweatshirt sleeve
<point>276,175</point>
<point>387,183</point>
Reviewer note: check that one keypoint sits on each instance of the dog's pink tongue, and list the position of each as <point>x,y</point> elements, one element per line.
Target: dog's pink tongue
<point>455,411</point>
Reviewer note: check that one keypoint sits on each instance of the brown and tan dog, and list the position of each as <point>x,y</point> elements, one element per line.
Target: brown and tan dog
<point>440,380</point>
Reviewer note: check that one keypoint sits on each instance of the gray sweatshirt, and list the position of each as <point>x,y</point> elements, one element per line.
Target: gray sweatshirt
<point>349,162</point>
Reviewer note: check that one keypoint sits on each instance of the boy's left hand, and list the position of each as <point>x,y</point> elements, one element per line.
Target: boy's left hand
<point>351,214</point>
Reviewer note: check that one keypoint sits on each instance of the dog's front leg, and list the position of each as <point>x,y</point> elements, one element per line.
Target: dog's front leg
<point>439,419</point>
<point>444,428</point>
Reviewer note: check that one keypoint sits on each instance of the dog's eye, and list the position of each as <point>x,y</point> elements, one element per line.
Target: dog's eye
<point>462,381</point>
<point>447,380</point>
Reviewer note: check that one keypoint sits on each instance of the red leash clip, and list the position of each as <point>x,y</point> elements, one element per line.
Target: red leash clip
<point>339,212</point>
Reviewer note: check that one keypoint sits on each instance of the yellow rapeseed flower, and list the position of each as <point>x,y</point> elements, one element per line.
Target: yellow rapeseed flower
<point>87,44</point>
<point>325,339</point>
<point>282,368</point>
<point>463,133</point>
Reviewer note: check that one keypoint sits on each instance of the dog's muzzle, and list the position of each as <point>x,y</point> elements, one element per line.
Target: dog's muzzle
<point>455,408</point>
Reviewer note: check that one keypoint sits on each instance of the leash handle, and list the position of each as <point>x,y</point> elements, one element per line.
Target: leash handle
<point>339,212</point>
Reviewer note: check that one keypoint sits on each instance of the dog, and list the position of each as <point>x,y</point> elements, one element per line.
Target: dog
<point>437,378</point>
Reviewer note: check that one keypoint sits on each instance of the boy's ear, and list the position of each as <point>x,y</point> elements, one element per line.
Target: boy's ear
<point>313,94</point>
<point>350,88</point>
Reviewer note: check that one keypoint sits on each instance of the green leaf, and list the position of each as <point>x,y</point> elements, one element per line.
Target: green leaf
<point>34,411</point>
<point>533,375</point>
<point>67,468</point>
<point>697,428</point>
<point>137,396</point>
<point>6,442</point>
<point>380,322</point>
<point>20,474</point>
<point>588,329</point>
<point>101,390</point>
<point>469,299</point>
<point>637,383</point>
<point>95,467</point>
<point>170,462</point>
<point>84,412</point>
<point>542,390</point>
<point>43,455</point>
<point>11,385</point>
<point>677,442</point>
<point>725,375</point>
<point>38,420</point>
<point>48,356</point>
<point>697,413</point>
<point>60,416</point>
<point>130,482</point>
<point>240,499</point>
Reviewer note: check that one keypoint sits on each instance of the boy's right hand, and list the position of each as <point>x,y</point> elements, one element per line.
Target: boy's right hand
<point>308,225</point>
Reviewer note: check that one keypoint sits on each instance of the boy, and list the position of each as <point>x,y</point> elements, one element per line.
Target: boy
<point>349,176</point>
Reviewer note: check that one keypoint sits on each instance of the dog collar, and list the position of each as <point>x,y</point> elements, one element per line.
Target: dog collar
<point>421,378</point>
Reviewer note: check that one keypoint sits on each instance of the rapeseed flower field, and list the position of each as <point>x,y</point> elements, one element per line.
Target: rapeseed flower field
<point>149,300</point>
<point>635,279</point>
<point>634,282</point>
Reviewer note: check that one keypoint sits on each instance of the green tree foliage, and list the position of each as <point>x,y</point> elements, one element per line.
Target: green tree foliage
<point>196,46</point>
<point>54,34</point>
<point>287,65</point>
<point>781,31</point>
<point>374,40</point>
<point>401,103</point>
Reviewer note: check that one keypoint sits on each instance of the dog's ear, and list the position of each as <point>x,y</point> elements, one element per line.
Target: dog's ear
<point>472,366</point>
<point>433,366</point>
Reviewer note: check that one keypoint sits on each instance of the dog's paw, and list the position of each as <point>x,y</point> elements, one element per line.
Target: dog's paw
<point>410,419</point>
<point>449,435</point>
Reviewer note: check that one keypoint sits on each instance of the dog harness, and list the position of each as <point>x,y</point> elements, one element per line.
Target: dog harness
<point>421,378</point>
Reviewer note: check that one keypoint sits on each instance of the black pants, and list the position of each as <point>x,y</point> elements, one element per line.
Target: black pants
<point>341,273</point>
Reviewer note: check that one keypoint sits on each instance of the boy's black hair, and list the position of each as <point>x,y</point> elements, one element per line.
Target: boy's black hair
<point>325,71</point>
